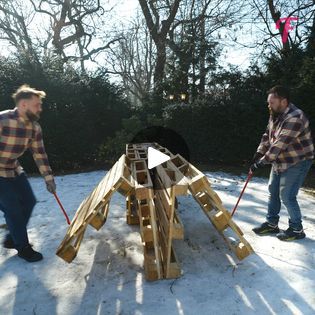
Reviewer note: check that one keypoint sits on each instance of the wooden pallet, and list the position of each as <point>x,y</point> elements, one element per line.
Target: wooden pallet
<point>169,183</point>
<point>211,204</point>
<point>94,209</point>
<point>147,220</point>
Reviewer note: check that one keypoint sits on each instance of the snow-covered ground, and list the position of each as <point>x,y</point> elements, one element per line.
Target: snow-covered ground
<point>107,276</point>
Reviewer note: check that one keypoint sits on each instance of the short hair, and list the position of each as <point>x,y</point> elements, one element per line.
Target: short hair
<point>27,92</point>
<point>280,92</point>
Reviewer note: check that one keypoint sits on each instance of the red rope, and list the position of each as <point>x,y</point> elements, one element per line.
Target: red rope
<point>63,210</point>
<point>250,175</point>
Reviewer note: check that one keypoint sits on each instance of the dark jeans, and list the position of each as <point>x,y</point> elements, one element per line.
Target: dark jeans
<point>283,188</point>
<point>17,201</point>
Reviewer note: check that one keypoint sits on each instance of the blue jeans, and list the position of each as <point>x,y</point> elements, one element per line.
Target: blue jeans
<point>283,188</point>
<point>17,201</point>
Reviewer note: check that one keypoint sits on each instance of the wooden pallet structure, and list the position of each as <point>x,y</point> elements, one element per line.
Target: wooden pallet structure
<point>151,203</point>
<point>169,183</point>
<point>93,210</point>
<point>211,204</point>
<point>155,211</point>
<point>200,188</point>
<point>144,196</point>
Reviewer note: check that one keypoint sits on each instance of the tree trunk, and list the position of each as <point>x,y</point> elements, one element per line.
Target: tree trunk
<point>159,67</point>
<point>276,15</point>
<point>159,33</point>
<point>311,41</point>
<point>203,73</point>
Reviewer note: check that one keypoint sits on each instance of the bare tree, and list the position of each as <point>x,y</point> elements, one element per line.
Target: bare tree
<point>159,16</point>
<point>14,29</point>
<point>74,22</point>
<point>192,38</point>
<point>311,38</point>
<point>281,14</point>
<point>133,59</point>
<point>74,30</point>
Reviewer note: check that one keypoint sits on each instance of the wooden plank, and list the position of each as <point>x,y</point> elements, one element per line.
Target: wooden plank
<point>220,220</point>
<point>150,266</point>
<point>100,189</point>
<point>98,194</point>
<point>237,243</point>
<point>243,250</point>
<point>132,212</point>
<point>70,250</point>
<point>81,214</point>
<point>146,231</point>
<point>181,164</point>
<point>144,207</point>
<point>173,270</point>
<point>155,237</point>
<point>177,227</point>
<point>164,222</point>
<point>142,181</point>
<point>166,201</point>
<point>114,182</point>
<point>165,212</point>
<point>127,184</point>
<point>149,235</point>
<point>101,216</point>
<point>179,181</point>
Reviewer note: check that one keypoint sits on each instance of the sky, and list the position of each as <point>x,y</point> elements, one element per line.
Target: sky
<point>237,55</point>
<point>123,11</point>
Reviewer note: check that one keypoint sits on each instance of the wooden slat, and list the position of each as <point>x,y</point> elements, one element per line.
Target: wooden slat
<point>149,234</point>
<point>132,212</point>
<point>101,216</point>
<point>165,210</point>
<point>69,251</point>
<point>142,181</point>
<point>155,237</point>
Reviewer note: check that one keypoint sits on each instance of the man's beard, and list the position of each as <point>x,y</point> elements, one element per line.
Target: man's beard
<point>273,113</point>
<point>31,116</point>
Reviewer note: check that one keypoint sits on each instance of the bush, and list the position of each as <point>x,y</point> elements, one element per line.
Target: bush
<point>80,112</point>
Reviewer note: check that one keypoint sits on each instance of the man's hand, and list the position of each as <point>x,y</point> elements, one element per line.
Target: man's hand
<point>51,186</point>
<point>257,156</point>
<point>255,166</point>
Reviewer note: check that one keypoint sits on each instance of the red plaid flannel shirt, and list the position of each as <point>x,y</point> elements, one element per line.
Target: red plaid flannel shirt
<point>16,136</point>
<point>287,140</point>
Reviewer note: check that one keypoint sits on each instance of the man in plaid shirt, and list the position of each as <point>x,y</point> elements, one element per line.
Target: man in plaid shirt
<point>287,145</point>
<point>19,131</point>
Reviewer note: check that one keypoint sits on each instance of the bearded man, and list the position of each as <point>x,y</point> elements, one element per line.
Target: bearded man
<point>287,145</point>
<point>19,131</point>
